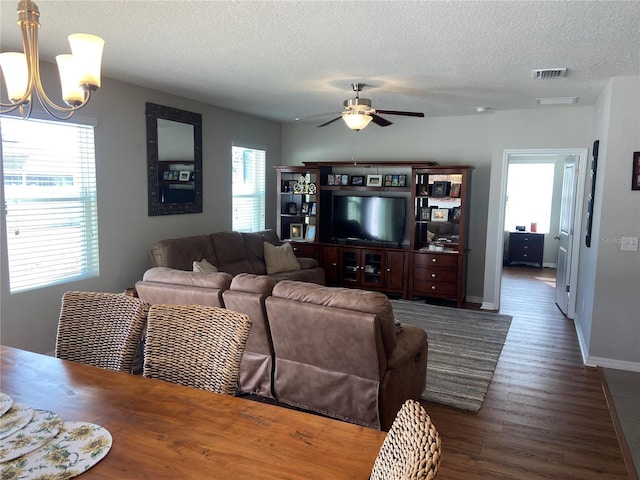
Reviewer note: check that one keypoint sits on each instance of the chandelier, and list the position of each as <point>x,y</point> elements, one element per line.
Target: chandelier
<point>79,71</point>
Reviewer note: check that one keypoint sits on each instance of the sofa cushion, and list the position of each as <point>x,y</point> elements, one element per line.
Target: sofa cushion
<point>280,259</point>
<point>347,298</point>
<point>181,252</point>
<point>254,246</point>
<point>247,282</point>
<point>204,266</point>
<point>194,279</point>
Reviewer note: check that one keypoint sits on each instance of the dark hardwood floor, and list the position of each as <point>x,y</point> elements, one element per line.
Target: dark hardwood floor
<point>545,415</point>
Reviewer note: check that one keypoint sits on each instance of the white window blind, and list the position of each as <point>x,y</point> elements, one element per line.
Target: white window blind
<point>50,202</point>
<point>248,189</point>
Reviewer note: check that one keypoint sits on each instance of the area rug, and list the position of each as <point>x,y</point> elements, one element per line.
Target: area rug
<point>464,347</point>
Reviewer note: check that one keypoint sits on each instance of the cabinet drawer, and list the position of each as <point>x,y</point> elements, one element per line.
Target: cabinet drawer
<point>435,275</point>
<point>434,260</point>
<point>445,289</point>
<point>307,250</point>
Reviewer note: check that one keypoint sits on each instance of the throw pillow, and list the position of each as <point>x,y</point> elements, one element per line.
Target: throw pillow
<point>204,266</point>
<point>280,259</point>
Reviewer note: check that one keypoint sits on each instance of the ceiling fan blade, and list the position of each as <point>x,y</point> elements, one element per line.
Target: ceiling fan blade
<point>330,121</point>
<point>396,112</point>
<point>378,120</point>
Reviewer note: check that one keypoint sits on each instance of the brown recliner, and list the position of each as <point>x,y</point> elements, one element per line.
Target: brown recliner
<point>338,353</point>
<point>247,294</point>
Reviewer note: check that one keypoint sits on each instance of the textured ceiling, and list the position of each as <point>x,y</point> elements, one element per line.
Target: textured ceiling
<point>282,60</point>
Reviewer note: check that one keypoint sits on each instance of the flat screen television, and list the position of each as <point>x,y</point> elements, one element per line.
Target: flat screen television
<point>379,219</point>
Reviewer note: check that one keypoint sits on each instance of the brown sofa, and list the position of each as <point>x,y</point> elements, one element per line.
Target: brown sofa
<point>339,352</point>
<point>335,351</point>
<point>230,252</point>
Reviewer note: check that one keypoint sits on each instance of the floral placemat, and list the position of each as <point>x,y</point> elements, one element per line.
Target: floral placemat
<point>78,447</point>
<point>37,444</point>
<point>6,402</point>
<point>17,417</point>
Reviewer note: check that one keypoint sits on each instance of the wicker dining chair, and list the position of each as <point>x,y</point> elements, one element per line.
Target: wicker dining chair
<point>196,345</point>
<point>412,448</point>
<point>101,329</point>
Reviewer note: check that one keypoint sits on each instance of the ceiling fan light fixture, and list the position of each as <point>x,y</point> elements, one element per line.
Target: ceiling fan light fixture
<point>356,121</point>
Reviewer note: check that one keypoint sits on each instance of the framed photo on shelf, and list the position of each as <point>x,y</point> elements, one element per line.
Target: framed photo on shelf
<point>635,178</point>
<point>374,180</point>
<point>310,235</point>
<point>402,180</point>
<point>456,213</point>
<point>423,190</point>
<point>337,179</point>
<point>345,179</point>
<point>440,189</point>
<point>455,190</point>
<point>292,208</point>
<point>394,180</point>
<point>295,231</point>
<point>312,208</point>
<point>357,180</point>
<point>440,215</point>
<point>331,179</point>
<point>425,213</point>
<point>184,176</point>
<point>388,179</point>
<point>304,209</point>
<point>166,174</point>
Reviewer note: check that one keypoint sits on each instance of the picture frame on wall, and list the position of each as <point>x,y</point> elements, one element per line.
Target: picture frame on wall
<point>184,176</point>
<point>357,180</point>
<point>295,231</point>
<point>310,235</point>
<point>440,189</point>
<point>374,180</point>
<point>635,177</point>
<point>440,215</point>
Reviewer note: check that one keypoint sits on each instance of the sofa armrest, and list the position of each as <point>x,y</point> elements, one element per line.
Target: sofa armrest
<point>410,343</point>
<point>307,263</point>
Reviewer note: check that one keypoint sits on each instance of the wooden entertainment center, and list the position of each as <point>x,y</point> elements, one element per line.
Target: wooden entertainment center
<point>430,262</point>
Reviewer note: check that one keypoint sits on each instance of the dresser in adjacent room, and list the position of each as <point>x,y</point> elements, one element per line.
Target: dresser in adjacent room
<point>525,247</point>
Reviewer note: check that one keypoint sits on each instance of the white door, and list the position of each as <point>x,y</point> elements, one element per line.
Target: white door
<point>565,236</point>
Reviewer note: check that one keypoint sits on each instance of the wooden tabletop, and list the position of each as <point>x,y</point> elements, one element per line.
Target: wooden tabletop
<point>161,430</point>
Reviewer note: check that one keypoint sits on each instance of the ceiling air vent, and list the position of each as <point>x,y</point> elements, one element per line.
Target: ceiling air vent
<point>549,73</point>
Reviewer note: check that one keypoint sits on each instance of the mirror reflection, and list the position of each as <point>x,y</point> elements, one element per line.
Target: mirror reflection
<point>174,160</point>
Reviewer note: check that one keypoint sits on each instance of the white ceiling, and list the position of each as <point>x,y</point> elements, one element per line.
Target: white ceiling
<point>281,60</point>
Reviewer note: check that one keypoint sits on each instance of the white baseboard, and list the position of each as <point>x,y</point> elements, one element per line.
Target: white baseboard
<point>488,306</point>
<point>612,363</point>
<point>592,361</point>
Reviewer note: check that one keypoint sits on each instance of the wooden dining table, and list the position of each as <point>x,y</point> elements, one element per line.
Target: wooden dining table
<point>162,430</point>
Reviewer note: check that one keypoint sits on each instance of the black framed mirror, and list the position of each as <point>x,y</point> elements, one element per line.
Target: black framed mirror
<point>174,160</point>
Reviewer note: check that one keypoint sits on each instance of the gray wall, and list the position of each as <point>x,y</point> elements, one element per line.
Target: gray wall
<point>608,309</point>
<point>29,319</point>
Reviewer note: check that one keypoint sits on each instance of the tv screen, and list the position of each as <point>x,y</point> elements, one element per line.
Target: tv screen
<point>368,218</point>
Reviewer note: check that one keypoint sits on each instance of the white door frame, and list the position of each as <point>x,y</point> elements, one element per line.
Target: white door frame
<point>498,245</point>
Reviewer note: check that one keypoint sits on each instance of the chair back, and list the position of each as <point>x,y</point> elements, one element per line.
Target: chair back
<point>101,329</point>
<point>195,345</point>
<point>412,448</point>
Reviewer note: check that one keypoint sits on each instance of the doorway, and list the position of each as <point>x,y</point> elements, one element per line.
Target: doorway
<point>495,243</point>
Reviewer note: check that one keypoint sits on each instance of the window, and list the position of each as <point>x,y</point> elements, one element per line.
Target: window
<point>248,189</point>
<point>529,196</point>
<point>50,202</point>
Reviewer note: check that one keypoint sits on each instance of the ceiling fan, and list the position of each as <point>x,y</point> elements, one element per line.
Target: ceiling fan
<point>358,112</point>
